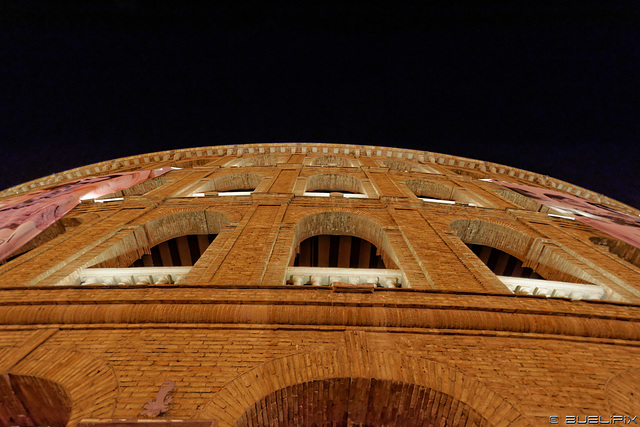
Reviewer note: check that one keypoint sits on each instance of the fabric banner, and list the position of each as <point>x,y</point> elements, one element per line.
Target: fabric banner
<point>24,216</point>
<point>617,224</point>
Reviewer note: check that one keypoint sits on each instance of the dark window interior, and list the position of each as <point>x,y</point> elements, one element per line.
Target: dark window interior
<point>338,251</point>
<point>501,263</point>
<point>177,252</point>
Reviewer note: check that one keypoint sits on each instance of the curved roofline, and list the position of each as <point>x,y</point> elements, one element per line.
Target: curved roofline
<point>425,157</point>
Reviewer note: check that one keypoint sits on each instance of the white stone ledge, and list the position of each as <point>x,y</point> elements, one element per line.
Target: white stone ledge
<point>346,195</point>
<point>326,276</point>
<point>550,288</point>
<point>133,275</point>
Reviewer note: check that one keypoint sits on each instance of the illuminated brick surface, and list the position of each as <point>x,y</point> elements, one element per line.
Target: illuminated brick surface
<point>245,347</point>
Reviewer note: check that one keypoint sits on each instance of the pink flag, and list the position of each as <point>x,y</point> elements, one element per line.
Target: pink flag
<point>617,224</point>
<point>23,217</point>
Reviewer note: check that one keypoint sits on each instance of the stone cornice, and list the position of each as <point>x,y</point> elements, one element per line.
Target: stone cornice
<point>150,160</point>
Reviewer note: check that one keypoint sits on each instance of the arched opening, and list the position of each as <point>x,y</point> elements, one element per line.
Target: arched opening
<point>230,184</point>
<point>348,224</point>
<point>440,192</point>
<point>338,251</point>
<point>342,247</point>
<point>399,165</point>
<point>190,163</point>
<point>179,238</point>
<point>502,263</point>
<point>27,401</point>
<point>337,161</point>
<point>354,363</point>
<point>430,189</point>
<point>518,245</point>
<point>141,188</point>
<point>496,245</point>
<point>334,183</point>
<point>180,251</point>
<point>469,173</point>
<point>259,160</point>
<point>359,402</point>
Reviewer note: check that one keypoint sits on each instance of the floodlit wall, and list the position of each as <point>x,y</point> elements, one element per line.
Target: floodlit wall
<point>244,343</point>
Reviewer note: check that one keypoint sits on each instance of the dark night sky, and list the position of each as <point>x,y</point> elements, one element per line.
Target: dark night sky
<point>551,88</point>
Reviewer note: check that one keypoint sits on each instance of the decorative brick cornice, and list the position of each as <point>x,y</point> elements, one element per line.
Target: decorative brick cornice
<point>320,307</point>
<point>199,153</point>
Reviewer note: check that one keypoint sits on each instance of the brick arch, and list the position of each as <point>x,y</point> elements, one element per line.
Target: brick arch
<point>182,223</point>
<point>259,160</point>
<point>359,402</point>
<point>190,163</point>
<point>400,165</point>
<point>496,235</point>
<point>550,262</point>
<point>350,224</point>
<point>339,161</point>
<point>231,181</point>
<point>444,190</point>
<point>334,181</point>
<point>239,395</point>
<point>28,400</point>
<point>430,188</point>
<point>90,383</point>
<point>468,172</point>
<point>157,230</point>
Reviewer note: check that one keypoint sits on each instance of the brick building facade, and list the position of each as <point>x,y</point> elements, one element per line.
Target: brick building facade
<point>293,284</point>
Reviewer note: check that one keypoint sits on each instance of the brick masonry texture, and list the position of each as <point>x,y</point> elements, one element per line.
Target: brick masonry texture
<point>245,348</point>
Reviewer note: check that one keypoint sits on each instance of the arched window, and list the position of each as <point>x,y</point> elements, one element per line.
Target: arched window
<point>177,252</point>
<point>342,247</point>
<point>524,201</point>
<point>399,165</point>
<point>324,184</point>
<point>338,251</point>
<point>441,192</point>
<point>502,263</point>
<point>193,162</point>
<point>259,160</point>
<point>337,161</point>
<point>140,189</point>
<point>521,262</point>
<point>230,184</point>
<point>469,173</point>
<point>174,244</point>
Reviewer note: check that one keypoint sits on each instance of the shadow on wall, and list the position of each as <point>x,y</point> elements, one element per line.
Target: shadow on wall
<point>28,401</point>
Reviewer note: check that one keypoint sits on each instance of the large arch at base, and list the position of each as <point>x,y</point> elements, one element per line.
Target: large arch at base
<point>233,405</point>
<point>29,400</point>
<point>359,402</point>
<point>90,383</point>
